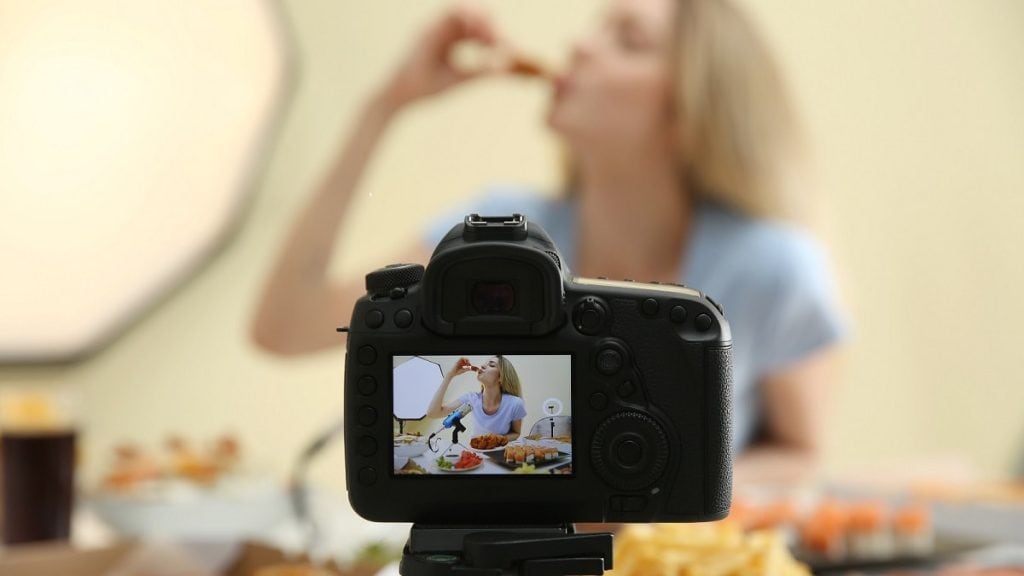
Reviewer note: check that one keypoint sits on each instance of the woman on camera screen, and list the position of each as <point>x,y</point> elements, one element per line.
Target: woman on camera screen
<point>497,408</point>
<point>681,153</point>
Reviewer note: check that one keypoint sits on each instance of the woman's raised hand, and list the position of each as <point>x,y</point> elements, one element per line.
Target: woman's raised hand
<point>428,69</point>
<point>462,365</point>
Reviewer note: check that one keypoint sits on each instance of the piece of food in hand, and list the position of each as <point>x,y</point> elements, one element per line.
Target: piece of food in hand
<point>522,65</point>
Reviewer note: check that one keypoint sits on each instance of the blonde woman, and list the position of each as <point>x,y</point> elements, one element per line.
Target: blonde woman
<point>679,134</point>
<point>497,408</point>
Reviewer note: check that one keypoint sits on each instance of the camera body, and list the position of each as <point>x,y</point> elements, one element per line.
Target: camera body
<point>649,397</point>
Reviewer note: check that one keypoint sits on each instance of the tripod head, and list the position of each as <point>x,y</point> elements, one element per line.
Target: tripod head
<point>552,550</point>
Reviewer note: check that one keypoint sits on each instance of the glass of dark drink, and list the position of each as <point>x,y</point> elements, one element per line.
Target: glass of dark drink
<point>37,462</point>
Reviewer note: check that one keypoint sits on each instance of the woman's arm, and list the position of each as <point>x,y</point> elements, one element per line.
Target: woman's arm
<point>795,402</point>
<point>300,304</point>
<point>517,429</point>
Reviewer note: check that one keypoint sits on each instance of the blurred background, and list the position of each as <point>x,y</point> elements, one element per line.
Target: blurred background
<point>914,113</point>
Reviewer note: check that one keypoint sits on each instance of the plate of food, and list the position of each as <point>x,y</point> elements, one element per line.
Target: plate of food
<point>487,443</point>
<point>538,455</point>
<point>188,491</point>
<point>467,462</point>
<point>410,445</point>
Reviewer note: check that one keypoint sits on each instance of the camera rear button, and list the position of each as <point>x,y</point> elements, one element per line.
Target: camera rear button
<point>703,322</point>
<point>366,416</point>
<point>367,445</point>
<point>367,385</point>
<point>374,319</point>
<point>649,306</point>
<point>367,475</point>
<point>598,401</point>
<point>609,361</point>
<point>366,355</point>
<point>677,314</point>
<point>403,318</point>
<point>626,388</point>
<point>630,452</point>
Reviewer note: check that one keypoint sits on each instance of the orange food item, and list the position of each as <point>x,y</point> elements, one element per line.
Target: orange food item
<point>911,519</point>
<point>823,532</point>
<point>488,441</point>
<point>523,66</point>
<point>467,460</point>
<point>867,517</point>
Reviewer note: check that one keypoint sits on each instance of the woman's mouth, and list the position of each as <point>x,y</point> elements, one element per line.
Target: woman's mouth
<point>561,85</point>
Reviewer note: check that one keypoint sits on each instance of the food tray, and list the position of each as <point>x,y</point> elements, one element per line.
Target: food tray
<point>499,458</point>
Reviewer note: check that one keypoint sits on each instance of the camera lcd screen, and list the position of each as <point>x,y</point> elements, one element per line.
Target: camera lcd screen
<point>482,415</point>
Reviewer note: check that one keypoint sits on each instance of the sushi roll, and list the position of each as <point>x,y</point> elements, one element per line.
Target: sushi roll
<point>822,534</point>
<point>913,532</point>
<point>869,537</point>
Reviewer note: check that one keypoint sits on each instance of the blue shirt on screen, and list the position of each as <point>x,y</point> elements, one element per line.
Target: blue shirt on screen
<point>773,280</point>
<point>510,409</point>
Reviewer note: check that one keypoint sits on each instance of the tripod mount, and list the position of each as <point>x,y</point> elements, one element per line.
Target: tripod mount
<point>548,550</point>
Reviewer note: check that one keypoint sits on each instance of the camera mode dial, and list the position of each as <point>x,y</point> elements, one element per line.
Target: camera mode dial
<point>395,277</point>
<point>630,451</point>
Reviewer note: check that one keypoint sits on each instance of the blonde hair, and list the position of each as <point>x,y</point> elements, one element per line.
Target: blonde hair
<point>508,377</point>
<point>739,137</point>
<point>738,132</point>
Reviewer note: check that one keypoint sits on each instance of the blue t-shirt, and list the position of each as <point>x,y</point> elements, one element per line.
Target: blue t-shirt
<point>773,280</point>
<point>511,408</point>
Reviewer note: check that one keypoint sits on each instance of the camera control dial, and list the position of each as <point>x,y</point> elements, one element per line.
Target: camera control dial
<point>382,281</point>
<point>630,451</point>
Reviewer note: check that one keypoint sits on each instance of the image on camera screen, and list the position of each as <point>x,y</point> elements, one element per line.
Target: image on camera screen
<point>485,415</point>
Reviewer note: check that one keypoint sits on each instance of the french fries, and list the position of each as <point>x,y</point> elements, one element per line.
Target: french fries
<point>710,549</point>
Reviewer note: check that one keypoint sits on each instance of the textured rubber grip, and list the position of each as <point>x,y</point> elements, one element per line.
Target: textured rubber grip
<point>718,372</point>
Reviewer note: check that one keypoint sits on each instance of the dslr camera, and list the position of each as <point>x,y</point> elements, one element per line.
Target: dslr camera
<point>577,399</point>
